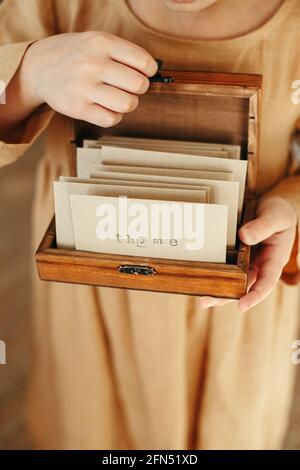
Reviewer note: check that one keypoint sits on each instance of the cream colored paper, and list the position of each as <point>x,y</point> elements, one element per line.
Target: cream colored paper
<point>86,220</point>
<point>168,147</point>
<point>85,159</point>
<point>221,192</point>
<point>109,179</point>
<point>145,158</point>
<point>191,147</point>
<point>202,174</point>
<point>64,229</point>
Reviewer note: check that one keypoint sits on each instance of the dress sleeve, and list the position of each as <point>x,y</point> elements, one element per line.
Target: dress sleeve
<point>22,23</point>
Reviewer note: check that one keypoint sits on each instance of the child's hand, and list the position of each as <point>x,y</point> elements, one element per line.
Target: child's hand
<point>274,230</point>
<point>92,76</point>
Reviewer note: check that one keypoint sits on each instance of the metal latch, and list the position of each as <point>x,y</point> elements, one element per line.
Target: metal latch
<point>158,77</point>
<point>137,270</point>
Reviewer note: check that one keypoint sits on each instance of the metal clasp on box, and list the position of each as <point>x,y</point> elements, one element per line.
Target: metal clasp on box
<point>137,270</point>
<point>158,77</point>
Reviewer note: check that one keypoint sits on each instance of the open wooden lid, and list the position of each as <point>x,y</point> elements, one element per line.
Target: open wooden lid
<point>200,106</point>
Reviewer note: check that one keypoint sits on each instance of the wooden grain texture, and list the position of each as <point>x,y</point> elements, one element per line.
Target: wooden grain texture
<point>201,106</point>
<point>240,80</point>
<point>192,278</point>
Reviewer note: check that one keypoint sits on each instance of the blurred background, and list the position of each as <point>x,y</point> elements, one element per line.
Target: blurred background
<point>16,195</point>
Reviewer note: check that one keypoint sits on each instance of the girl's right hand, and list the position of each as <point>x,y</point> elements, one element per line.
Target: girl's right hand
<point>92,76</point>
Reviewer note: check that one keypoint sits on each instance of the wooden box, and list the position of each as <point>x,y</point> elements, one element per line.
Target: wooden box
<point>209,107</point>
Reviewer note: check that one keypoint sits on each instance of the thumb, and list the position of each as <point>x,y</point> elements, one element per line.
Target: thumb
<point>270,220</point>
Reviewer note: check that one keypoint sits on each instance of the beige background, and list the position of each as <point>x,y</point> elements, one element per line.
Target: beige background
<point>16,192</point>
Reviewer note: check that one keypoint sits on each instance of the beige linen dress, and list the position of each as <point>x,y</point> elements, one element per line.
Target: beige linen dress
<point>117,369</point>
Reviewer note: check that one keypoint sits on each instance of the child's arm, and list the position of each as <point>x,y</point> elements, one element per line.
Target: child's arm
<point>17,108</point>
<point>91,76</point>
<point>21,23</point>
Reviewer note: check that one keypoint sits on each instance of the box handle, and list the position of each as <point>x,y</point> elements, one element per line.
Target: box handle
<point>137,270</point>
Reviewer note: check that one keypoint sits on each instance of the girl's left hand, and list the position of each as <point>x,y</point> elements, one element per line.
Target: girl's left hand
<point>274,229</point>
